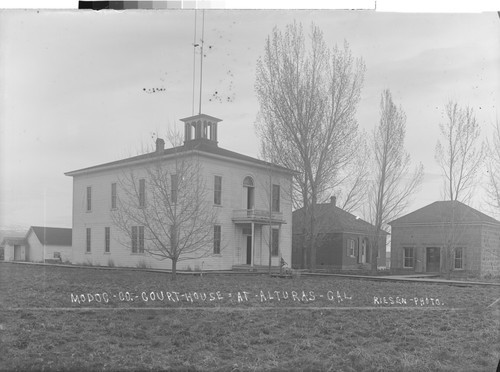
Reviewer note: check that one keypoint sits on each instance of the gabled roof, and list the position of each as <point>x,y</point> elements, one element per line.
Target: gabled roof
<point>52,235</point>
<point>444,212</point>
<point>332,219</point>
<point>201,145</point>
<point>13,240</point>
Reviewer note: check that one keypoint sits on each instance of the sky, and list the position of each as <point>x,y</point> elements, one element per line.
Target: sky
<point>76,88</point>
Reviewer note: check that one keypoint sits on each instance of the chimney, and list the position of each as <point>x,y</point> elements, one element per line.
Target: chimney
<point>160,145</point>
<point>333,200</point>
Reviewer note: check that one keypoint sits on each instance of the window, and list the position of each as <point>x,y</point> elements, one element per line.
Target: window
<point>107,235</point>
<point>142,193</point>
<point>113,196</point>
<point>276,198</point>
<point>217,238</point>
<point>137,239</point>
<point>351,248</point>
<point>174,184</point>
<point>459,258</point>
<point>275,239</point>
<point>89,237</point>
<point>89,198</point>
<point>217,190</point>
<point>408,257</point>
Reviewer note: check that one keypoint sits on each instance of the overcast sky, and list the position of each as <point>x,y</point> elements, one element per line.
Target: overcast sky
<point>72,87</point>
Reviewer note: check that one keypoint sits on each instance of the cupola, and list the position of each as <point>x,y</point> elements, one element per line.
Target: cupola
<point>200,127</point>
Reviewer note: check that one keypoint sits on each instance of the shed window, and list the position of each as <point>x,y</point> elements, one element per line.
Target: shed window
<point>351,248</point>
<point>408,257</point>
<point>459,258</point>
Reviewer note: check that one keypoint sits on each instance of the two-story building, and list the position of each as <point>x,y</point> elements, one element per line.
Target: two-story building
<point>250,197</point>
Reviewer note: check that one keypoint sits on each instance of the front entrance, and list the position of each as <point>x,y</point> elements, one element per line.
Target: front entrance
<point>18,253</point>
<point>249,249</point>
<point>433,259</point>
<point>363,251</point>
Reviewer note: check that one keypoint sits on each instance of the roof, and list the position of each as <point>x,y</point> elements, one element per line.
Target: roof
<point>442,212</point>
<point>13,240</point>
<point>201,145</point>
<point>52,235</point>
<point>330,219</point>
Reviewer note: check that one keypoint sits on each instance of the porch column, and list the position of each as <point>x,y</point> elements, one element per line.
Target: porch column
<point>253,243</point>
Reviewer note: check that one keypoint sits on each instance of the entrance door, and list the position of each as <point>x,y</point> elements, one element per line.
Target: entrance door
<point>17,253</point>
<point>363,251</point>
<point>433,259</point>
<point>249,249</point>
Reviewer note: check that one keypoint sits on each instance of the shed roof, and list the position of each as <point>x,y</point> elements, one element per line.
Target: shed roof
<point>13,240</point>
<point>52,235</point>
<point>444,212</point>
<point>331,219</point>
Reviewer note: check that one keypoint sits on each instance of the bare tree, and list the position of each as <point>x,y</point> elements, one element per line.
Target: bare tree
<point>392,184</point>
<point>308,97</point>
<point>351,189</point>
<point>164,210</point>
<point>460,154</point>
<point>493,168</point>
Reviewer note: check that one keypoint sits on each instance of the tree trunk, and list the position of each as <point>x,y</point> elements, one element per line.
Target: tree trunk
<point>373,255</point>
<point>312,232</point>
<point>174,268</point>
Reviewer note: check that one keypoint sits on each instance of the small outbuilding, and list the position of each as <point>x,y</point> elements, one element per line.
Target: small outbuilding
<point>444,237</point>
<point>13,248</point>
<point>343,240</point>
<point>39,245</point>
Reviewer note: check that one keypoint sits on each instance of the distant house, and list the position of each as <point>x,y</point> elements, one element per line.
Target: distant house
<point>343,240</point>
<point>446,236</point>
<point>40,244</point>
<point>13,248</point>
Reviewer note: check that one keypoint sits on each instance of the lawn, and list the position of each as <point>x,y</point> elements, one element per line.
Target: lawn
<point>56,318</point>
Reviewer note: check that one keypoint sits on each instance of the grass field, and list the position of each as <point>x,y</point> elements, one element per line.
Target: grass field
<point>56,318</point>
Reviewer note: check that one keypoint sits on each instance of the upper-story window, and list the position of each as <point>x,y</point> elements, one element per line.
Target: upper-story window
<point>142,192</point>
<point>113,196</point>
<point>248,186</point>
<point>248,182</point>
<point>217,190</point>
<point>89,198</point>
<point>174,184</point>
<point>276,198</point>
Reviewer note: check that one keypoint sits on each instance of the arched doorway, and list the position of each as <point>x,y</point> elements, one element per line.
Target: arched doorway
<point>248,186</point>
